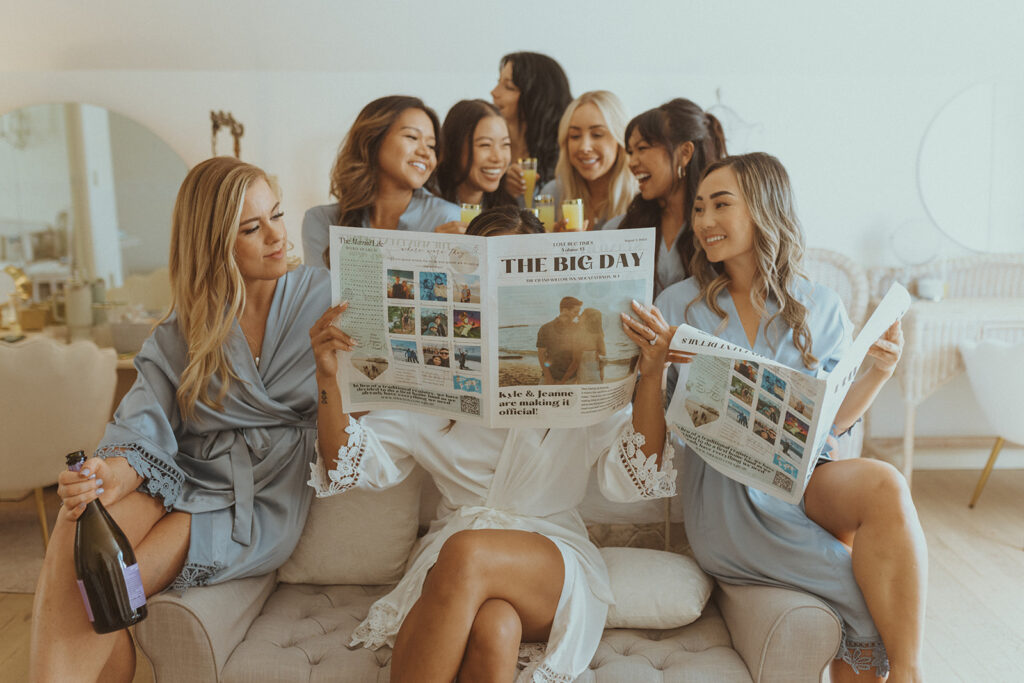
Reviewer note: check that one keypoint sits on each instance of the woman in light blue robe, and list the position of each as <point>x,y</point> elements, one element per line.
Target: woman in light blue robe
<point>668,148</point>
<point>204,466</point>
<point>241,471</point>
<point>387,188</point>
<point>592,159</point>
<point>743,219</point>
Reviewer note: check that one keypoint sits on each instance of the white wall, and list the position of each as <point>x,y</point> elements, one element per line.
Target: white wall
<point>842,94</point>
<point>143,165</point>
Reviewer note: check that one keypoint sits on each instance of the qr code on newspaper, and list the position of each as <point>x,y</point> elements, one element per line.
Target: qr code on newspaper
<point>470,405</point>
<point>783,482</point>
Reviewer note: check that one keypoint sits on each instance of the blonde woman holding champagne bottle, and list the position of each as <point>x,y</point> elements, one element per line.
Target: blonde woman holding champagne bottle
<point>204,467</point>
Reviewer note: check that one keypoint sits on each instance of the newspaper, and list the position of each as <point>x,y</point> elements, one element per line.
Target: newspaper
<point>520,330</point>
<point>760,422</point>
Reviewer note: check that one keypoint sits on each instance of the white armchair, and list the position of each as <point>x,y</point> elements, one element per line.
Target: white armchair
<point>996,370</point>
<point>55,398</point>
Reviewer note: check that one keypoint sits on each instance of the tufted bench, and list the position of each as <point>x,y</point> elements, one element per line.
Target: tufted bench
<point>265,629</point>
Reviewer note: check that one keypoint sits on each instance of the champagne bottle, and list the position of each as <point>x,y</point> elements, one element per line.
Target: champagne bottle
<point>108,575</point>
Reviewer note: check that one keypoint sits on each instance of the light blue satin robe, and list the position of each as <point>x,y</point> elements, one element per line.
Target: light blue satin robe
<point>424,213</point>
<point>669,268</point>
<point>241,472</point>
<point>741,535</point>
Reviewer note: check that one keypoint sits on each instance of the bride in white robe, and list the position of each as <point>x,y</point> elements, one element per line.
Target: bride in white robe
<point>525,479</point>
<point>507,525</point>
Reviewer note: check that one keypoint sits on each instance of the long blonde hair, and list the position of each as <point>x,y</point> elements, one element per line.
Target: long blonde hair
<point>623,185</point>
<point>778,247</point>
<point>207,290</point>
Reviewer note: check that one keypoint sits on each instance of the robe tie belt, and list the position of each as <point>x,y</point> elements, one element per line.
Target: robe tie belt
<point>249,446</point>
<point>488,516</point>
<point>245,491</point>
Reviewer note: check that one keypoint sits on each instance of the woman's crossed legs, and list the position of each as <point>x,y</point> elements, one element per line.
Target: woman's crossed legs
<point>488,590</point>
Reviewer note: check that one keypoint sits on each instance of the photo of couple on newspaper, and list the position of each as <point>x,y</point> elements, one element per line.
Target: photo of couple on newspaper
<point>564,334</point>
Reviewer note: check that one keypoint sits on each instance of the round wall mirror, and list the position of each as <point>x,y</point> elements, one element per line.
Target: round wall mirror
<point>84,192</point>
<point>969,171</point>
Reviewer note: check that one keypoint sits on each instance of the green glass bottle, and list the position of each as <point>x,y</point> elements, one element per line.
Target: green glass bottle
<point>108,575</point>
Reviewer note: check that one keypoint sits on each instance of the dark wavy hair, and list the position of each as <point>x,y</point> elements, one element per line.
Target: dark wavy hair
<point>356,169</point>
<point>457,133</point>
<point>543,96</point>
<point>676,122</point>
<point>505,219</point>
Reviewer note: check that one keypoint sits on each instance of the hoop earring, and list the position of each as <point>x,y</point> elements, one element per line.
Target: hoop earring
<point>680,172</point>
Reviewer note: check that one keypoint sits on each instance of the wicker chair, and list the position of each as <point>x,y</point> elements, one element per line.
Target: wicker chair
<point>850,281</point>
<point>845,276</point>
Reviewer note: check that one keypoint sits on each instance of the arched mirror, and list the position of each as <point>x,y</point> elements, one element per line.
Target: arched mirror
<point>84,192</point>
<point>969,170</point>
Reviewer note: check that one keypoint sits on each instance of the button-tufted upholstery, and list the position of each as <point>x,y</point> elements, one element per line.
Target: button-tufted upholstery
<point>257,629</point>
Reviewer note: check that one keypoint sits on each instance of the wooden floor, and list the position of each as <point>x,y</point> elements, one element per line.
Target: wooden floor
<point>975,628</point>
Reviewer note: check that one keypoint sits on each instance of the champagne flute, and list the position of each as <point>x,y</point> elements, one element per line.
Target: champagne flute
<point>529,167</point>
<point>546,211</point>
<point>468,212</point>
<point>572,212</point>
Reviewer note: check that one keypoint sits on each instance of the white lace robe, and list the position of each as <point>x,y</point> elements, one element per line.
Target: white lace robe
<point>526,479</point>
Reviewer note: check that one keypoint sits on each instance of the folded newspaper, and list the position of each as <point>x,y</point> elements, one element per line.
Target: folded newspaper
<point>760,422</point>
<point>520,330</point>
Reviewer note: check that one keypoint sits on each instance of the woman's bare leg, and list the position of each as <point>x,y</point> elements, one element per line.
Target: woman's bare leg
<point>493,648</point>
<point>867,504</point>
<point>64,647</point>
<point>521,568</point>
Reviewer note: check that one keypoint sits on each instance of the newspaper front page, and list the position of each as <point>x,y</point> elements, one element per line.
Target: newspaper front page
<point>521,330</point>
<point>760,422</point>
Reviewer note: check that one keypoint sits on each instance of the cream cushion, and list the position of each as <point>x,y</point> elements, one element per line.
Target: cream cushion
<point>357,537</point>
<point>654,588</point>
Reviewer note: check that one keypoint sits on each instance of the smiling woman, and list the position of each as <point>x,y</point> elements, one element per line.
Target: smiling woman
<point>380,175</point>
<point>668,149</point>
<point>477,151</point>
<point>215,433</point>
<point>592,158</point>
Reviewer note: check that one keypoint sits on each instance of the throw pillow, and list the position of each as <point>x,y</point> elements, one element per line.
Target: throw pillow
<point>654,588</point>
<point>357,537</point>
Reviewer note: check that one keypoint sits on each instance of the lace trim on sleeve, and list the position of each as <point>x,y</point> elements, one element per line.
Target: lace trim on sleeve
<point>158,478</point>
<point>345,474</point>
<point>378,629</point>
<point>195,574</point>
<point>864,655</point>
<point>643,470</point>
<point>533,668</point>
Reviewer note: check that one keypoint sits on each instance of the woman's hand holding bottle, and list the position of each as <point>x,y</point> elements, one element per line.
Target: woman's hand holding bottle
<point>109,479</point>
